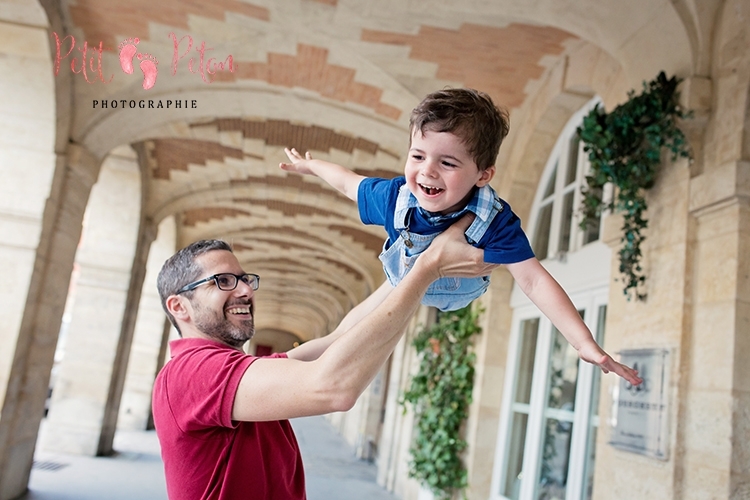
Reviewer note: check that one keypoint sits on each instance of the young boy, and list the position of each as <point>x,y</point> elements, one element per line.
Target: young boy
<point>455,138</point>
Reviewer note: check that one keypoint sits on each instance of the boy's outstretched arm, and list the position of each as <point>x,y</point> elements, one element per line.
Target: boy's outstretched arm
<point>341,178</point>
<point>552,300</point>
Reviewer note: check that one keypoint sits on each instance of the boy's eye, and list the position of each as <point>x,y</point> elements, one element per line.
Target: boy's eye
<point>417,157</point>
<point>449,164</point>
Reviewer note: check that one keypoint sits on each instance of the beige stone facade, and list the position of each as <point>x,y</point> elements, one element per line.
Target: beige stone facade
<point>106,170</point>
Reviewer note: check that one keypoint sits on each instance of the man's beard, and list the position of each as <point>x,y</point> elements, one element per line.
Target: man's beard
<point>216,326</point>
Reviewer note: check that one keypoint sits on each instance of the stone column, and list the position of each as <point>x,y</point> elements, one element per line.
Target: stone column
<point>27,163</point>
<point>28,379</point>
<point>714,444</point>
<point>491,348</point>
<point>396,436</point>
<point>714,434</point>
<point>146,352</point>
<point>80,416</point>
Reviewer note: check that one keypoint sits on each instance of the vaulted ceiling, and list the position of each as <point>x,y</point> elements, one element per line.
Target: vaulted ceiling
<point>334,77</point>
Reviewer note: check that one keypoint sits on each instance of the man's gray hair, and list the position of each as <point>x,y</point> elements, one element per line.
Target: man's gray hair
<point>182,268</point>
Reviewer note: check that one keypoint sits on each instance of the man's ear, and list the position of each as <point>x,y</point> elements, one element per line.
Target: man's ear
<point>178,307</point>
<point>486,176</point>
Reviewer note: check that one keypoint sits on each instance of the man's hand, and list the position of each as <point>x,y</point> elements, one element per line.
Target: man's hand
<point>450,254</point>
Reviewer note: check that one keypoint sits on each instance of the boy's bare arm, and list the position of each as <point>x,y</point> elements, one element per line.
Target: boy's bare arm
<point>552,300</point>
<point>340,178</point>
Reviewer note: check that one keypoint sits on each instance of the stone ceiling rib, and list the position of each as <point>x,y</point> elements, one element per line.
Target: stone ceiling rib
<point>303,137</point>
<point>493,68</point>
<point>132,18</point>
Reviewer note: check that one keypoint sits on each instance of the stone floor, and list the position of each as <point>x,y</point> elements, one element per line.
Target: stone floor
<point>332,470</point>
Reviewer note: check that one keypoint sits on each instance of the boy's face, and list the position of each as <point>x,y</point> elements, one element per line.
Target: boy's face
<point>441,173</point>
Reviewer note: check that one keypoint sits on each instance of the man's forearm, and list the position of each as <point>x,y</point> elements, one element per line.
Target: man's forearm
<point>353,360</point>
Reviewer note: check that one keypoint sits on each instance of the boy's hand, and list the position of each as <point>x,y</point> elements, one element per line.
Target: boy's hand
<point>592,353</point>
<point>300,164</point>
<point>338,177</point>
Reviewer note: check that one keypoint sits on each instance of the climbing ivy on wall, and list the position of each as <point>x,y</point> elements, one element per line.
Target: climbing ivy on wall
<point>440,394</point>
<point>625,148</point>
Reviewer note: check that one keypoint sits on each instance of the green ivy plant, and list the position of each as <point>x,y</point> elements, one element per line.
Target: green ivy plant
<point>440,394</point>
<point>624,148</point>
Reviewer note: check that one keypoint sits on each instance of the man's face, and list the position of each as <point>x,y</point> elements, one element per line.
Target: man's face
<point>226,316</point>
<point>441,173</point>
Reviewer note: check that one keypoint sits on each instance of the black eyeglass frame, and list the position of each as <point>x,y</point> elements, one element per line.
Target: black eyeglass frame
<point>253,280</point>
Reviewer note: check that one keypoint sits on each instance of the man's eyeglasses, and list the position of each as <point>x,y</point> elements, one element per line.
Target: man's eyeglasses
<point>225,281</point>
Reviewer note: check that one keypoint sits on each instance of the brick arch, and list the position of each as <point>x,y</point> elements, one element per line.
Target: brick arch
<point>478,56</point>
<point>586,72</point>
<point>728,131</point>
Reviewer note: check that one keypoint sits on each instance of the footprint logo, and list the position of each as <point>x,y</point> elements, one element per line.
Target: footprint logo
<point>127,51</point>
<point>149,68</point>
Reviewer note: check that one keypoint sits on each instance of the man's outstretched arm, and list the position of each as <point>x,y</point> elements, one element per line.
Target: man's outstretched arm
<point>274,389</point>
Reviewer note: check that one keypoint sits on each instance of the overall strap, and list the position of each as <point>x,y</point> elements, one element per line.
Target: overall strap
<point>486,205</point>
<point>404,202</point>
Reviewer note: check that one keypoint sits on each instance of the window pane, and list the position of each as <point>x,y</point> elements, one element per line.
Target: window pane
<point>555,455</point>
<point>570,174</point>
<point>600,324</point>
<point>592,231</point>
<point>550,183</point>
<point>515,456</point>
<point>588,490</point>
<point>566,222</point>
<point>541,234</point>
<point>593,417</point>
<point>563,374</point>
<point>529,330</point>
<point>593,227</point>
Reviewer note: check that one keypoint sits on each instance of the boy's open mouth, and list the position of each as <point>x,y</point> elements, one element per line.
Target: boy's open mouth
<point>431,191</point>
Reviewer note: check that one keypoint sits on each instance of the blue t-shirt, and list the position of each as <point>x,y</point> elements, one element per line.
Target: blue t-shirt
<point>503,243</point>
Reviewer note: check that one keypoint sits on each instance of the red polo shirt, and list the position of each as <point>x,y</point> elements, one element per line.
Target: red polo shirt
<point>206,454</point>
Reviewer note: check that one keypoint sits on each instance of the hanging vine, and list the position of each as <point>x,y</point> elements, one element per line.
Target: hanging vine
<point>624,148</point>
<point>440,394</point>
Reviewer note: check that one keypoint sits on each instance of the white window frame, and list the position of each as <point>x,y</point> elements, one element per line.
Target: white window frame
<point>590,301</point>
<point>589,290</point>
<point>561,152</point>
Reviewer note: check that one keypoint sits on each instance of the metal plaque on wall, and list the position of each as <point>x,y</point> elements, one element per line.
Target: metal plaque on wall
<point>640,413</point>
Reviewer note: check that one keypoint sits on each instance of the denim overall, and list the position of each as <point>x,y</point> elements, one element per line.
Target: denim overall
<point>447,294</point>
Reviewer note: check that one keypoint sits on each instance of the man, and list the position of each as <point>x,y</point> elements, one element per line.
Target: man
<point>221,415</point>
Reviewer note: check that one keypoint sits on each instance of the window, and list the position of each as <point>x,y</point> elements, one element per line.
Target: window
<point>549,419</point>
<point>547,439</point>
<point>555,227</point>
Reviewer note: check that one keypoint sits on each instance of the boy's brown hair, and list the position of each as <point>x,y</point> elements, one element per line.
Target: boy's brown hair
<point>469,114</point>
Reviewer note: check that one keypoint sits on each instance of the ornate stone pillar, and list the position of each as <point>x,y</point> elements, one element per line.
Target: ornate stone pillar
<point>86,393</point>
<point>28,379</point>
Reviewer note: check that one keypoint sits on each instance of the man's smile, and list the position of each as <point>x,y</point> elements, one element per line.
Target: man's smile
<point>244,309</point>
